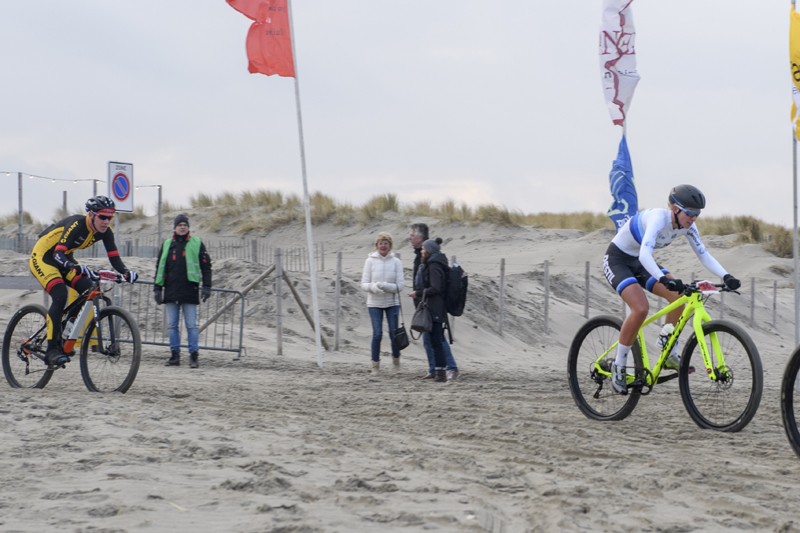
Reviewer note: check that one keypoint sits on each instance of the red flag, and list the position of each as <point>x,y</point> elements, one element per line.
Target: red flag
<point>269,41</point>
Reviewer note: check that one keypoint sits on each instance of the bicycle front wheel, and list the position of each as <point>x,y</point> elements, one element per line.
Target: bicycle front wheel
<point>591,388</point>
<point>26,335</point>
<point>111,350</point>
<point>727,398</point>
<point>790,395</point>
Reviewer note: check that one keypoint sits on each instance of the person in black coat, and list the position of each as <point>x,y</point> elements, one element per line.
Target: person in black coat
<point>182,266</point>
<point>433,283</point>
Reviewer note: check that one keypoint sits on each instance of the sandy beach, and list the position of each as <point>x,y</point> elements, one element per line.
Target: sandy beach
<point>275,443</point>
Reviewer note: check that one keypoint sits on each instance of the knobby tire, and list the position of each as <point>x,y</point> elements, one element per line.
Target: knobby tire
<point>592,339</point>
<point>790,394</point>
<point>730,402</point>
<point>22,325</point>
<point>110,355</point>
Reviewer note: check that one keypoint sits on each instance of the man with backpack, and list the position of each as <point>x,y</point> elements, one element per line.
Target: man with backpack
<point>417,235</point>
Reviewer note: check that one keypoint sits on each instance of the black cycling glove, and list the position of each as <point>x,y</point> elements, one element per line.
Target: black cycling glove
<point>672,284</point>
<point>731,282</point>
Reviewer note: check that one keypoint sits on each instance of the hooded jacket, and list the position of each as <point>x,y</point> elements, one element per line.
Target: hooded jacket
<point>433,281</point>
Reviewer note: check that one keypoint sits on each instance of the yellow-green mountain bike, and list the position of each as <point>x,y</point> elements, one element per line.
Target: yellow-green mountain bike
<point>724,391</point>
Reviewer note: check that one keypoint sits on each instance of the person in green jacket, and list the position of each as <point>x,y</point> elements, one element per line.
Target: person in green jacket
<point>182,266</point>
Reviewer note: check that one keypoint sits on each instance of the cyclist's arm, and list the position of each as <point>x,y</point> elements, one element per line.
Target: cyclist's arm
<point>72,235</point>
<point>654,223</point>
<point>113,253</point>
<point>703,254</point>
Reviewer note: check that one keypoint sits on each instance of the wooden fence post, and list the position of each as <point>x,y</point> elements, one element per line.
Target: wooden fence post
<point>338,289</point>
<point>279,299</point>
<point>502,302</point>
<point>586,284</point>
<point>546,282</point>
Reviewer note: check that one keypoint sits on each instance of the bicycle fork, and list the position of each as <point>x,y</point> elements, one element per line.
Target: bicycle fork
<point>718,371</point>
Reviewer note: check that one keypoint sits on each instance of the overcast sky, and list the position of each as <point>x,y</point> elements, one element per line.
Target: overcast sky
<point>481,102</point>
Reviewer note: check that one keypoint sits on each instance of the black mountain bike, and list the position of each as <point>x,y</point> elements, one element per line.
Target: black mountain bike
<point>107,336</point>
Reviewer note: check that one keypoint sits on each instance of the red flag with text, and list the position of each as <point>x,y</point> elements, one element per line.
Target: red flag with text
<point>269,40</point>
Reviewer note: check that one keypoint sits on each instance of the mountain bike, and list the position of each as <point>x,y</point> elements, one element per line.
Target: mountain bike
<point>107,336</point>
<point>790,396</point>
<point>725,397</point>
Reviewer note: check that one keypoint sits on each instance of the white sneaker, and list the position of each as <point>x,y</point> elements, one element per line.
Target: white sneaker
<point>619,383</point>
<point>673,362</point>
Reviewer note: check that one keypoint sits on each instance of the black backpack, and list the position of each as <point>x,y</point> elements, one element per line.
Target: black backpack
<point>457,283</point>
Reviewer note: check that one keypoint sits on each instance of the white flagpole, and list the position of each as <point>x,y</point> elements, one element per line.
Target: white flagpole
<point>312,265</point>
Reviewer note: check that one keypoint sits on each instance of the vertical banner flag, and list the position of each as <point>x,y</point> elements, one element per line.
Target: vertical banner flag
<point>269,41</point>
<point>794,60</point>
<point>625,203</point>
<point>618,58</point>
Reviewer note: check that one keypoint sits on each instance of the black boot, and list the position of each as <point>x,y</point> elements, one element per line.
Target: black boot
<point>193,360</point>
<point>174,359</point>
<point>441,375</point>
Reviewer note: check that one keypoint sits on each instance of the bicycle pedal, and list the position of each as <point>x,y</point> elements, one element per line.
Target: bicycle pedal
<point>60,362</point>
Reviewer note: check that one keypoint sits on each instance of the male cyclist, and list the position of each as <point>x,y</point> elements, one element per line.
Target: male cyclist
<point>53,264</point>
<point>629,267</point>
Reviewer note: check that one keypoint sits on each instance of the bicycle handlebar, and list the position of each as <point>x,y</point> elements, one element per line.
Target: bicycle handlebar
<point>704,286</point>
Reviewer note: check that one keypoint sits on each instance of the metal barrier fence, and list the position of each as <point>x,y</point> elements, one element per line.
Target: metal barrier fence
<point>256,250</point>
<point>220,318</point>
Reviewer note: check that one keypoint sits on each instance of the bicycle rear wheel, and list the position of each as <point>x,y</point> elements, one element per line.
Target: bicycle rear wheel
<point>25,336</point>
<point>110,353</point>
<point>730,401</point>
<point>790,398</point>
<point>590,389</point>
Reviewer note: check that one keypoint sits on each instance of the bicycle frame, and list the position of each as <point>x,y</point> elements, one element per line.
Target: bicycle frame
<point>694,309</point>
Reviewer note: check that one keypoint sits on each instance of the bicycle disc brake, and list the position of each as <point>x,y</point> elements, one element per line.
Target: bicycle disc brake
<point>724,376</point>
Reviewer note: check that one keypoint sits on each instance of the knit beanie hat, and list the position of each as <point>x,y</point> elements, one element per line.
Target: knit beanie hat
<point>432,245</point>
<point>180,219</point>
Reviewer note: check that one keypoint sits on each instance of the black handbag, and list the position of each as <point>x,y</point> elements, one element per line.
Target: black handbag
<point>422,321</point>
<point>400,336</point>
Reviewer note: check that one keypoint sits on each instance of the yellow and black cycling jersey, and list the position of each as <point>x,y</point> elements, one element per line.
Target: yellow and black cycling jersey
<point>58,242</point>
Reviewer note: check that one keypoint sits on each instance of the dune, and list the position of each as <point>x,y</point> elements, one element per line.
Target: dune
<point>273,442</point>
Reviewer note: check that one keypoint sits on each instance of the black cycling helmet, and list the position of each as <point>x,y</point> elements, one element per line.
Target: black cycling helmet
<point>98,203</point>
<point>687,196</point>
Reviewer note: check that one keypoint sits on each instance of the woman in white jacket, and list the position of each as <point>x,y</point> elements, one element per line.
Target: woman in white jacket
<point>383,280</point>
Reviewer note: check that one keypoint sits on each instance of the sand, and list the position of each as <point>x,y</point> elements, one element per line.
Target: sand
<point>273,442</point>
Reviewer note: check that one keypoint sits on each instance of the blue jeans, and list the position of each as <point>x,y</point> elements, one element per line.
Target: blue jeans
<point>173,311</point>
<point>376,316</point>
<point>448,354</point>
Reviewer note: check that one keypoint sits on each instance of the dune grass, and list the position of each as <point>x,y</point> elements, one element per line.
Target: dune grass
<point>261,211</point>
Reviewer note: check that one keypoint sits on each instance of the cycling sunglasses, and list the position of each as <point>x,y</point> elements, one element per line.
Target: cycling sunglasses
<point>105,217</point>
<point>691,212</point>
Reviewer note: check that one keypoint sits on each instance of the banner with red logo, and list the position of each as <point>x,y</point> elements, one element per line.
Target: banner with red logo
<point>618,58</point>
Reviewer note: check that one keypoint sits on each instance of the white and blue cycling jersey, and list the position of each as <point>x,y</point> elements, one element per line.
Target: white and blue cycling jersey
<point>652,228</point>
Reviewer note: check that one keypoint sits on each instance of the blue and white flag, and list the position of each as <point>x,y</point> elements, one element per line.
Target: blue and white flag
<point>623,190</point>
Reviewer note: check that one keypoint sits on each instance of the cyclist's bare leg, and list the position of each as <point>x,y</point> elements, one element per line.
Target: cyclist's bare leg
<point>634,297</point>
